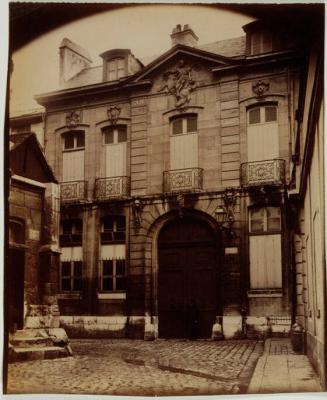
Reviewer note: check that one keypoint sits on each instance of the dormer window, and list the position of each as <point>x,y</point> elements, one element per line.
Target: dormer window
<point>118,63</point>
<point>261,42</point>
<point>116,69</point>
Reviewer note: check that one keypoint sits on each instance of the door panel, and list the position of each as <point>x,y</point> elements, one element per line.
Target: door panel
<point>187,282</point>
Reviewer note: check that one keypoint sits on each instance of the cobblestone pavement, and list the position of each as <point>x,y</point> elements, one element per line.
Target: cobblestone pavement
<point>100,367</point>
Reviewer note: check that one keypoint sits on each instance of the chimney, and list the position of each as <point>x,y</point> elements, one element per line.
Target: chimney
<point>73,59</point>
<point>184,36</point>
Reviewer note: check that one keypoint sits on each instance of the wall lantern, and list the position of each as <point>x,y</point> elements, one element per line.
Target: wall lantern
<point>137,207</point>
<point>225,214</point>
<point>220,215</point>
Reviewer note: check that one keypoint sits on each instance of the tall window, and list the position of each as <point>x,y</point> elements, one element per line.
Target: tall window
<point>73,156</point>
<point>71,264</point>
<point>115,148</point>
<point>112,275</point>
<point>183,142</point>
<point>262,133</point>
<point>116,69</point>
<point>112,271</point>
<point>265,247</point>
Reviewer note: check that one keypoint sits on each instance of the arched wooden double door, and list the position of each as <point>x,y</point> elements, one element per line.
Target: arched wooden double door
<point>187,279</point>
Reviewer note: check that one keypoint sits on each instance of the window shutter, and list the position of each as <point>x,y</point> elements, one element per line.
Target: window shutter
<point>255,43</point>
<point>115,159</point>
<point>257,262</point>
<point>266,42</point>
<point>73,166</point>
<point>273,260</point>
<point>184,151</point>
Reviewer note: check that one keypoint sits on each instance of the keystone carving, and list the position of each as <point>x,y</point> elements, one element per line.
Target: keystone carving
<point>260,88</point>
<point>113,113</point>
<point>73,119</point>
<point>179,83</point>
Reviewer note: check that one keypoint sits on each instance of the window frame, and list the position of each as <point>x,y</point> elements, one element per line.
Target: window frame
<point>115,129</point>
<point>112,276</point>
<point>115,229</point>
<point>73,236</point>
<point>262,38</point>
<point>115,61</point>
<point>184,118</point>
<point>74,135</point>
<point>71,277</point>
<point>262,107</point>
<point>265,221</point>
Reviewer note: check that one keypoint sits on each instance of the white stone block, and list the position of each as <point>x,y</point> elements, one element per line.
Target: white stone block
<point>232,326</point>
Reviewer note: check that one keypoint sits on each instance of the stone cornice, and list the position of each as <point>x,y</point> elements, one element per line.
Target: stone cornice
<point>90,90</point>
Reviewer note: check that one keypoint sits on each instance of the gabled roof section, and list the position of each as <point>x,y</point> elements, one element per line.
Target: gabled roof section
<point>27,158</point>
<point>179,49</point>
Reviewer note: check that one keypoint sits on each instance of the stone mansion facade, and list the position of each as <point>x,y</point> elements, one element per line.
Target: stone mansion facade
<point>175,179</point>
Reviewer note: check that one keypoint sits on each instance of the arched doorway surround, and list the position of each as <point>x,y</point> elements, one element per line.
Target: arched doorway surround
<point>185,273</point>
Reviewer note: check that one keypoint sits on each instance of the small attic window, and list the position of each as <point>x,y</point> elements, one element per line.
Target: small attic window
<point>260,42</point>
<point>116,69</point>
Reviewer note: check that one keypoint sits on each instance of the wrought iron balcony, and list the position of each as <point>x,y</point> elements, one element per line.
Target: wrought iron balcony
<point>74,191</point>
<point>108,188</point>
<point>267,172</point>
<point>189,179</point>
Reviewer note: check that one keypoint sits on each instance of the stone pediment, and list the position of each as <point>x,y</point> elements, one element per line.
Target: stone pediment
<point>180,71</point>
<point>178,53</point>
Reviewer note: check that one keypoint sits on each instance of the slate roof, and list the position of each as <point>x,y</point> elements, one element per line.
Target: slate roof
<point>234,47</point>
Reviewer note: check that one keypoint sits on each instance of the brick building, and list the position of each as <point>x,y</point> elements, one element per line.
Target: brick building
<point>174,177</point>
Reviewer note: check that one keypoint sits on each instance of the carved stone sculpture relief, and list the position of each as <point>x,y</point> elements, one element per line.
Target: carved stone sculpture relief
<point>260,88</point>
<point>179,82</point>
<point>73,119</point>
<point>113,113</point>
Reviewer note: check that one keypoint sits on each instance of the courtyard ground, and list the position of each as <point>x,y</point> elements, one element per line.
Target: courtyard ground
<point>135,367</point>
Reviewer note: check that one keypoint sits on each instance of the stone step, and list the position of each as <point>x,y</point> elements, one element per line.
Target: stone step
<point>26,333</point>
<point>38,353</point>
<point>26,342</point>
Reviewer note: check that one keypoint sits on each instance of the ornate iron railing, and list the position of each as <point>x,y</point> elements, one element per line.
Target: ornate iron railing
<point>183,179</point>
<point>267,172</point>
<point>73,191</point>
<point>108,188</point>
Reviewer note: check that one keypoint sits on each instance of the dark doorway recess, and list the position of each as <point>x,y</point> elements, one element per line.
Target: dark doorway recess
<point>16,267</point>
<point>188,288</point>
